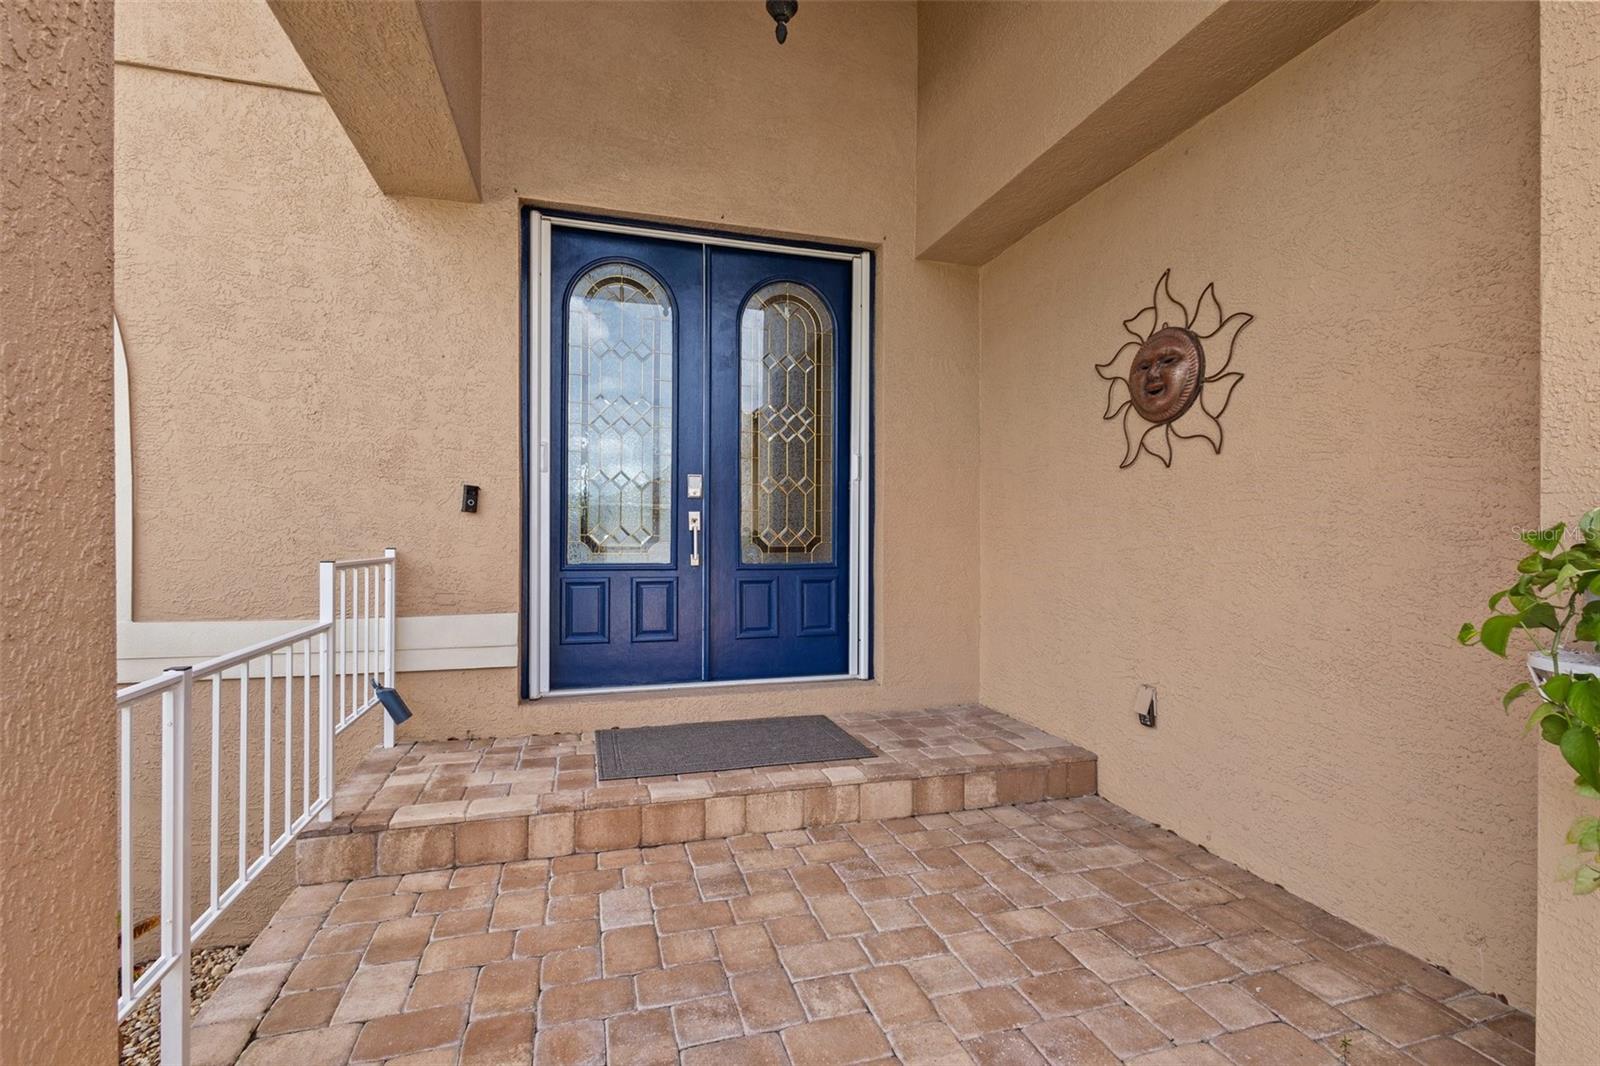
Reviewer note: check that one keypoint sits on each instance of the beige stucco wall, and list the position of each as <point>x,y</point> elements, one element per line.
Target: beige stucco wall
<point>1373,204</point>
<point>239,40</point>
<point>1569,374</point>
<point>316,368</point>
<point>57,604</point>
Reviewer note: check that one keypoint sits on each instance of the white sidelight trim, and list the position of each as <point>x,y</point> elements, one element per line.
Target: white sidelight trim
<point>541,507</point>
<point>422,642</point>
<point>861,468</point>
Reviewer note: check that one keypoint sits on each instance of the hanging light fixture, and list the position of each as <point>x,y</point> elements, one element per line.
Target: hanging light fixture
<point>782,11</point>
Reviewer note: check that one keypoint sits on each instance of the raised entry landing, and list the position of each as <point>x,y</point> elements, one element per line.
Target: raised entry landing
<point>437,804</point>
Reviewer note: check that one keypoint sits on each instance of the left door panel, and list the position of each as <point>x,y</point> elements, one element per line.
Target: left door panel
<point>627,410</point>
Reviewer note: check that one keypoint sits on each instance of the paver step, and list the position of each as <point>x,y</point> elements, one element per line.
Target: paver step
<point>438,804</point>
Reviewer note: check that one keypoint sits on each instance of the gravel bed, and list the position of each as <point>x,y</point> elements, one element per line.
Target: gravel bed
<point>141,1033</point>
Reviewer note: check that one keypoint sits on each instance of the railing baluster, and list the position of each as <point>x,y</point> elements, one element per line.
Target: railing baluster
<point>288,738</point>
<point>125,777</point>
<point>325,576</point>
<point>390,619</point>
<point>369,575</point>
<point>305,733</point>
<point>347,658</point>
<point>244,768</point>
<point>175,871</point>
<point>216,784</point>
<point>266,758</point>
<point>339,647</point>
<point>388,638</point>
<point>355,642</point>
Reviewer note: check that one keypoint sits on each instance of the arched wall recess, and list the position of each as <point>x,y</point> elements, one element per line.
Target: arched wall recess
<point>122,431</point>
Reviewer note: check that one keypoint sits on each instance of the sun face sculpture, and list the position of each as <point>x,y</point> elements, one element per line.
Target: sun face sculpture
<point>1171,381</point>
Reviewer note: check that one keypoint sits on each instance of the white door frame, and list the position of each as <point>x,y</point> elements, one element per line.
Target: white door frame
<point>540,504</point>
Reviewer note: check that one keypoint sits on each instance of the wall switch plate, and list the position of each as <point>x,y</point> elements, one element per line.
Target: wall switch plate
<point>1144,705</point>
<point>469,499</point>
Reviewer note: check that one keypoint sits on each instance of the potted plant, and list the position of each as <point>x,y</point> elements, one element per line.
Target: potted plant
<point>1556,603</point>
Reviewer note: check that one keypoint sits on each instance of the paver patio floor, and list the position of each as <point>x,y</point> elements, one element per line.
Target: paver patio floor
<point>1063,931</point>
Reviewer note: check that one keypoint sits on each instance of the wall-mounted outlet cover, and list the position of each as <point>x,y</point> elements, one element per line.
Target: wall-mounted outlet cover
<point>1144,705</point>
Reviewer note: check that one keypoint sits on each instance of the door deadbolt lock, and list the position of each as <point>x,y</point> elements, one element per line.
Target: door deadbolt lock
<point>696,487</point>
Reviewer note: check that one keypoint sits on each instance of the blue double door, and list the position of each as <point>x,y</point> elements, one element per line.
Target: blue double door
<point>700,401</point>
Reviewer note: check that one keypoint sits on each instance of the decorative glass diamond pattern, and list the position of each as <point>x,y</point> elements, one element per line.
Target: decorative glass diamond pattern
<point>786,427</point>
<point>619,418</point>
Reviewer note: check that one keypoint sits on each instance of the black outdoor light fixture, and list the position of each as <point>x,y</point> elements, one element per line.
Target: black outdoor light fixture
<point>782,11</point>
<point>393,705</point>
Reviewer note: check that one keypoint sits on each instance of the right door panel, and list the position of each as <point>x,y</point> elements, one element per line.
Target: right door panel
<point>777,490</point>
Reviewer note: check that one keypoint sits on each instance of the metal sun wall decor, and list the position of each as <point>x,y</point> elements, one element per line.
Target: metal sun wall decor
<point>1169,381</point>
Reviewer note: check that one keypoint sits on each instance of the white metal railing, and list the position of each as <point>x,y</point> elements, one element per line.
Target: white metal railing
<point>357,596</point>
<point>331,662</point>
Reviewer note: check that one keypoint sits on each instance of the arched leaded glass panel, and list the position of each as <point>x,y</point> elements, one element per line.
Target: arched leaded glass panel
<point>619,418</point>
<point>786,357</point>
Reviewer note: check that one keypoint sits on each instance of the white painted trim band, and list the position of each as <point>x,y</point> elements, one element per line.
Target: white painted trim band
<point>423,642</point>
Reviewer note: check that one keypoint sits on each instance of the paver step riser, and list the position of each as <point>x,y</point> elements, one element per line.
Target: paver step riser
<point>448,843</point>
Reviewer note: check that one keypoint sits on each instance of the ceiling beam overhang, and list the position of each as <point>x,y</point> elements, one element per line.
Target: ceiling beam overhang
<point>1228,51</point>
<point>404,79</point>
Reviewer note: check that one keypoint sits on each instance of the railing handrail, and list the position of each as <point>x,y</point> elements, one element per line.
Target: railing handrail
<point>168,678</point>
<point>349,646</point>
<point>371,560</point>
<point>233,659</point>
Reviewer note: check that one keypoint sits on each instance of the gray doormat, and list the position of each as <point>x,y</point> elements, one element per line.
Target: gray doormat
<point>697,747</point>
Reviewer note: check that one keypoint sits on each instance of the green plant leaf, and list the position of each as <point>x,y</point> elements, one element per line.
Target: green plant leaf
<point>1582,753</point>
<point>1586,880</point>
<point>1583,700</point>
<point>1468,633</point>
<point>1588,627</point>
<point>1497,631</point>
<point>1540,616</point>
<point>1585,832</point>
<point>1578,557</point>
<point>1530,564</point>
<point>1587,792</point>
<point>1545,540</point>
<point>1556,688</point>
<point>1515,693</point>
<point>1549,718</point>
<point>1589,526</point>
